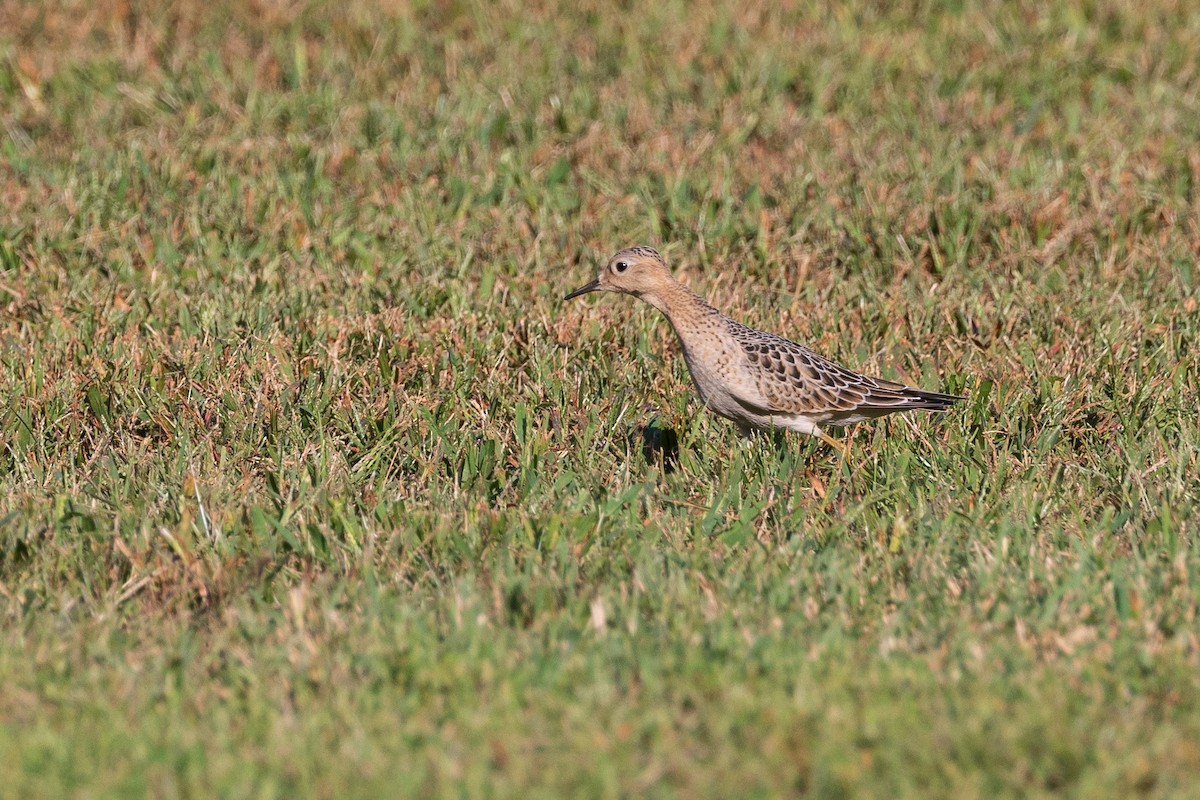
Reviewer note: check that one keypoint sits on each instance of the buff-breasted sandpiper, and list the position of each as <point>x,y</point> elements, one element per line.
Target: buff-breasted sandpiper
<point>754,378</point>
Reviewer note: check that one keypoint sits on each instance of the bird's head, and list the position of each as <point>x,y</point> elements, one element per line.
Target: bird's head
<point>638,271</point>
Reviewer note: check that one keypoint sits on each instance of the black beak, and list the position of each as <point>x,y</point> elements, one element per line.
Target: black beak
<point>591,287</point>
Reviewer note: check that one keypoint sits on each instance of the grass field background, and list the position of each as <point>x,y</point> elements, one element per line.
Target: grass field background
<point>312,486</point>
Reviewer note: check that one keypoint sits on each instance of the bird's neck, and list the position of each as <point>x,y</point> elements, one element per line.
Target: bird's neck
<point>684,308</point>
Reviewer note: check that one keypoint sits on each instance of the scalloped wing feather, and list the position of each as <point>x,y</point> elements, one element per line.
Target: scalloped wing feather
<point>794,380</point>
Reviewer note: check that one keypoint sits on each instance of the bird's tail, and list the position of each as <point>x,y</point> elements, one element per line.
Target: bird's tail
<point>931,401</point>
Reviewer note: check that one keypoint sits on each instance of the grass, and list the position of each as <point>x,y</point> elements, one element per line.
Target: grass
<point>311,486</point>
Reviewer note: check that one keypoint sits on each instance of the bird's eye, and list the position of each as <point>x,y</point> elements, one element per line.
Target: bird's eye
<point>621,266</point>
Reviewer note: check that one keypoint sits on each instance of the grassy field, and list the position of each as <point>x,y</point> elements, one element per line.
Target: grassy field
<point>312,486</point>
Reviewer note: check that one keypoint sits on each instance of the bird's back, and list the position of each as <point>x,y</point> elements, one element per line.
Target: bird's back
<point>792,380</point>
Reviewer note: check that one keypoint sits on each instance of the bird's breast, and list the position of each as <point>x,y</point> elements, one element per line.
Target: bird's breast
<point>713,366</point>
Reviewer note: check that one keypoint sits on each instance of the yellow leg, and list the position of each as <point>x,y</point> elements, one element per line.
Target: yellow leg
<point>834,443</point>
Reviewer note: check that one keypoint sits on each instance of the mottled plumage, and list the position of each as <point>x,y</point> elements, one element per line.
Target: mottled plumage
<point>754,378</point>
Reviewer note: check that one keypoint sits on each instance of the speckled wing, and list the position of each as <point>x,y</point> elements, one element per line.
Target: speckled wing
<point>794,380</point>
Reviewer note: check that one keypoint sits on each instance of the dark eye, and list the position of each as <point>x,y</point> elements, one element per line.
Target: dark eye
<point>621,266</point>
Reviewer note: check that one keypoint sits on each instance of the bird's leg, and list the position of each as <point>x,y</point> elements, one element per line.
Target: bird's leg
<point>834,443</point>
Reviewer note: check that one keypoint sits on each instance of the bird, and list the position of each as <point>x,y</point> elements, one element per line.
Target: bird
<point>758,380</point>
